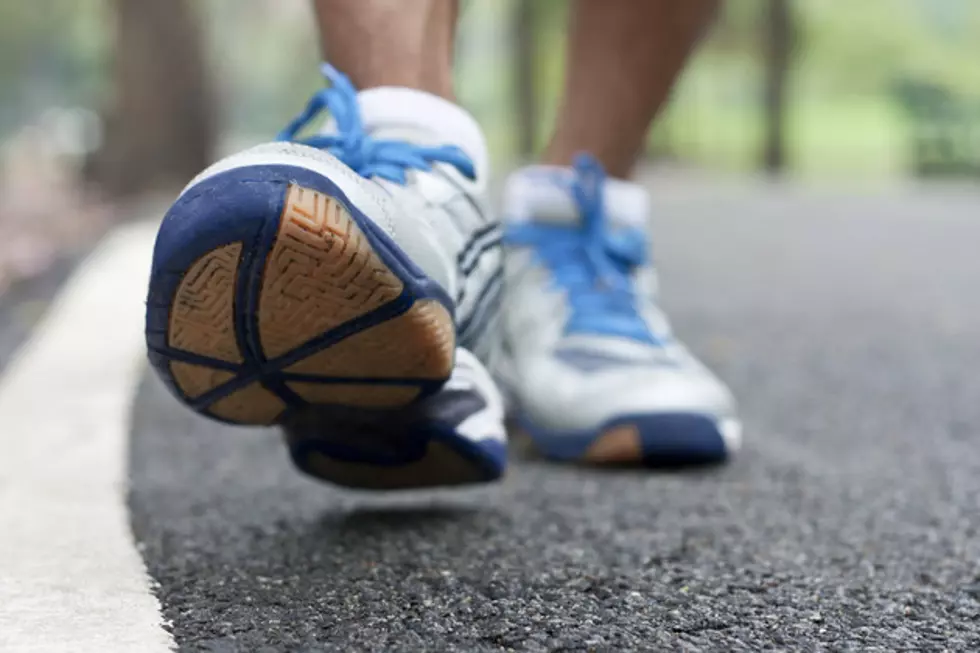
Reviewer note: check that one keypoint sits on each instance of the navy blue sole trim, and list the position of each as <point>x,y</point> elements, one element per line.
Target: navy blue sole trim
<point>667,439</point>
<point>244,205</point>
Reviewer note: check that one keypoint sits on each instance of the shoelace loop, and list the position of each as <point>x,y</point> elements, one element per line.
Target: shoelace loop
<point>369,157</point>
<point>591,262</point>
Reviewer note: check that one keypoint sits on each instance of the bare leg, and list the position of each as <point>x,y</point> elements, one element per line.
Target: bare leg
<point>391,42</point>
<point>624,56</point>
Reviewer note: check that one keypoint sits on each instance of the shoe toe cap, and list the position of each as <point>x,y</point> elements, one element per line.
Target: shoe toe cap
<point>658,417</point>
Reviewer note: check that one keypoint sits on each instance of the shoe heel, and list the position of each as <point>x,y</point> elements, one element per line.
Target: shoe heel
<point>302,307</point>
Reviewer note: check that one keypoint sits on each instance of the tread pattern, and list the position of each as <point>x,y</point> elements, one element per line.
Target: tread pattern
<point>195,380</point>
<point>202,315</point>
<point>320,273</point>
<point>253,404</point>
<point>417,344</point>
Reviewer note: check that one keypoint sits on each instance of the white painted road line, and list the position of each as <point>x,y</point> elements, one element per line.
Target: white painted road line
<point>71,578</point>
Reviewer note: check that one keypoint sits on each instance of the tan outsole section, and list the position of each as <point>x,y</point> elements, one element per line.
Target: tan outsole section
<point>617,445</point>
<point>195,380</point>
<point>439,462</point>
<point>360,395</point>
<point>202,315</point>
<point>417,344</point>
<point>320,273</point>
<point>253,404</point>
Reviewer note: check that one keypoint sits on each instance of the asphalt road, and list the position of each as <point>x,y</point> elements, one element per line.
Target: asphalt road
<point>848,325</point>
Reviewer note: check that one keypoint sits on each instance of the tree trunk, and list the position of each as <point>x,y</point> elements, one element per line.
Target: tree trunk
<point>779,46</point>
<point>525,62</point>
<point>160,129</point>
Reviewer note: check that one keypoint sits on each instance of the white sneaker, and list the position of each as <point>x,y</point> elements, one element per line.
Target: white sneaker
<point>589,360</point>
<point>342,270</point>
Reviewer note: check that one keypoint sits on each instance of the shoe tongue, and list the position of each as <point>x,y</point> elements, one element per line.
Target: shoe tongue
<point>544,194</point>
<point>405,114</point>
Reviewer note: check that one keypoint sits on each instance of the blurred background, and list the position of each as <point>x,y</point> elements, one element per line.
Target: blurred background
<point>105,101</point>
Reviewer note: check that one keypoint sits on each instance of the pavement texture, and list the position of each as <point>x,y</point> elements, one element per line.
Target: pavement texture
<point>848,325</point>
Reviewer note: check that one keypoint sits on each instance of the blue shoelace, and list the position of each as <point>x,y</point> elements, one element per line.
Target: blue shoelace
<point>592,263</point>
<point>369,157</point>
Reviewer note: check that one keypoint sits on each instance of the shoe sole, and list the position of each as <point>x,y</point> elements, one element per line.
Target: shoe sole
<point>651,440</point>
<point>270,293</point>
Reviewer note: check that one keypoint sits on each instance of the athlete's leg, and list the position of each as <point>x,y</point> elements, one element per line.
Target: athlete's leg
<point>624,56</point>
<point>407,43</point>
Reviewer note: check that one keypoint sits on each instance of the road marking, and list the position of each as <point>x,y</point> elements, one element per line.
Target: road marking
<point>71,578</point>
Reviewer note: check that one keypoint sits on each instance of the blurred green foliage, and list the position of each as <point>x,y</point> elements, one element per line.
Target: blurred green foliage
<point>844,116</point>
<point>52,53</point>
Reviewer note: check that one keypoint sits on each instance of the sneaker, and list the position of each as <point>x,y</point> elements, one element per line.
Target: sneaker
<point>589,362</point>
<point>341,270</point>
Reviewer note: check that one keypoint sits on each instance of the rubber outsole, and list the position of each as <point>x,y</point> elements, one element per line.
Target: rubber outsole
<point>652,440</point>
<point>271,293</point>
